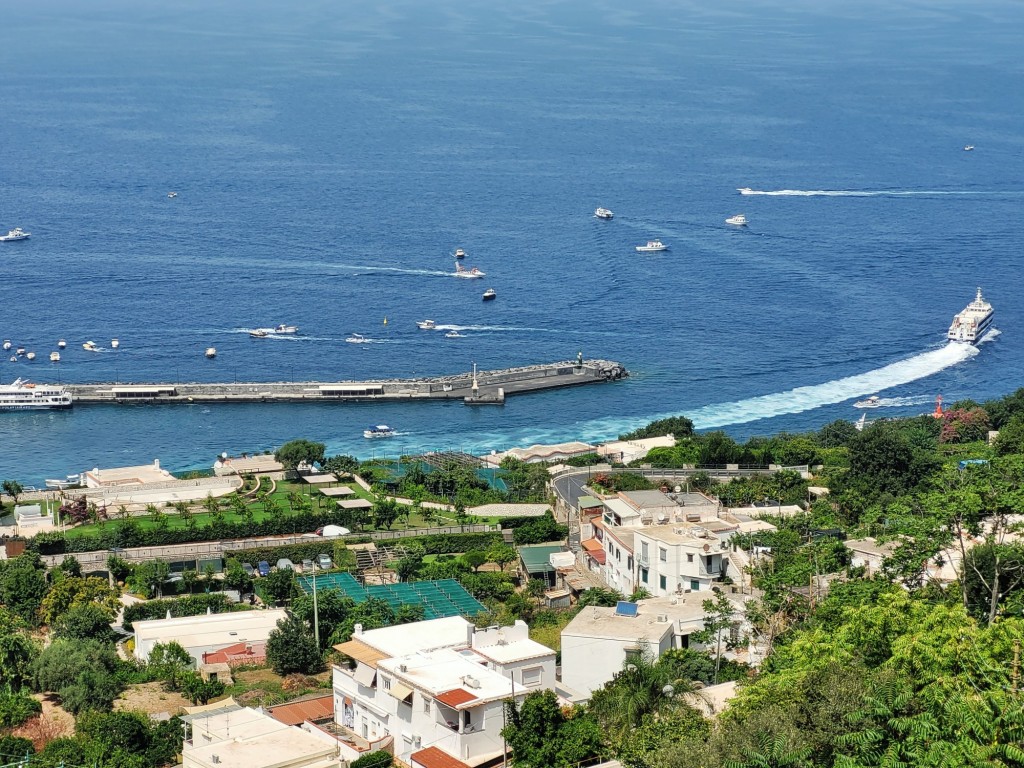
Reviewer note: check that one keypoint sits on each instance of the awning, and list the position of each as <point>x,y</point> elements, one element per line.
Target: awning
<point>400,692</point>
<point>591,545</point>
<point>364,675</point>
<point>361,652</point>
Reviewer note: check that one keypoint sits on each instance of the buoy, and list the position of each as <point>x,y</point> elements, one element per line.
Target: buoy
<point>385,321</point>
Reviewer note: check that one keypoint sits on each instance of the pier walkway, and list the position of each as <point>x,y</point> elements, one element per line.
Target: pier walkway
<point>466,386</point>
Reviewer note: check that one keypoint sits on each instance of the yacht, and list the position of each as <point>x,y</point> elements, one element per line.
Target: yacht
<point>23,396</point>
<point>490,295</point>
<point>258,333</point>
<point>603,213</point>
<point>55,357</point>
<point>114,343</point>
<point>90,346</point>
<point>426,325</point>
<point>970,324</point>
<point>454,335</point>
<point>285,329</point>
<point>15,234</point>
<point>468,274</point>
<point>357,338</point>
<point>211,352</point>
<point>969,148</point>
<point>652,245</point>
<point>172,194</point>
<point>871,402</point>
<point>739,220</point>
<point>459,253</point>
<point>380,430</point>
<point>745,190</point>
<point>61,344</point>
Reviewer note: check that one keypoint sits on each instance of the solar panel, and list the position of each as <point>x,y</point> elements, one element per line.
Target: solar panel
<point>625,608</point>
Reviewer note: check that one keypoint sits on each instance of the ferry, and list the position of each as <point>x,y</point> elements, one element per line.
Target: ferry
<point>652,245</point>
<point>603,213</point>
<point>490,294</point>
<point>380,430</point>
<point>426,325</point>
<point>23,396</point>
<point>468,274</point>
<point>15,234</point>
<point>970,324</point>
<point>872,402</point>
<point>739,220</point>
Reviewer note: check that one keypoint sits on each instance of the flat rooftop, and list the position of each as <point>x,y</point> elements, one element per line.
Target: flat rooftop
<point>210,629</point>
<point>146,473</point>
<point>444,670</point>
<point>605,623</point>
<point>404,639</point>
<point>256,739</point>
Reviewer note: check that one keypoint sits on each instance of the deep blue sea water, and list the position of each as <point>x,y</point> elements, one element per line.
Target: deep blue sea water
<point>329,157</point>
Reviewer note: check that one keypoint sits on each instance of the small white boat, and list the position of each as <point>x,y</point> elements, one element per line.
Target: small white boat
<point>871,402</point>
<point>285,329</point>
<point>745,190</point>
<point>7,344</point>
<point>15,234</point>
<point>69,482</point>
<point>468,274</point>
<point>454,335</point>
<point>258,333</point>
<point>426,325</point>
<point>357,338</point>
<point>490,295</point>
<point>603,213</point>
<point>61,344</point>
<point>652,245</point>
<point>172,194</point>
<point>14,358</point>
<point>969,148</point>
<point>20,350</point>
<point>211,352</point>
<point>31,355</point>
<point>739,220</point>
<point>380,430</point>
<point>55,357</point>
<point>114,343</point>
<point>459,253</point>
<point>90,346</point>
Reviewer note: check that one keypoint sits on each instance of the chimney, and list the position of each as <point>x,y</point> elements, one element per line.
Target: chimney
<point>357,629</point>
<point>156,463</point>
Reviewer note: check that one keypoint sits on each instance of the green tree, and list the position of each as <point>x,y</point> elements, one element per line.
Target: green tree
<point>296,452</point>
<point>385,512</point>
<point>83,673</point>
<point>74,591</point>
<point>13,489</point>
<point>541,735</point>
<point>200,691</point>
<point>169,662</point>
<point>279,586</point>
<point>677,426</point>
<point>70,566</point>
<point>378,759</point>
<point>291,648</point>
<point>502,555</point>
<point>772,752</point>
<point>23,586</point>
<point>719,617</point>
<point>16,708</point>
<point>84,621</point>
<point>235,577</point>
<point>17,654</point>
<point>149,578</point>
<point>475,558</point>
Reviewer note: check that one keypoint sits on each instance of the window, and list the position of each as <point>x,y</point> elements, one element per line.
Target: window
<point>633,654</point>
<point>629,563</point>
<point>661,582</point>
<point>663,554</point>
<point>643,551</point>
<point>385,683</point>
<point>643,575</point>
<point>531,676</point>
<point>689,557</point>
<point>694,585</point>
<point>426,705</point>
<point>618,555</point>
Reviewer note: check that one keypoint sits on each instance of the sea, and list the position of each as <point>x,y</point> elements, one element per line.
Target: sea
<point>329,157</point>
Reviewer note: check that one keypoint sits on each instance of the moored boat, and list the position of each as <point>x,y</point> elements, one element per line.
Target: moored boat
<point>490,295</point>
<point>7,344</point>
<point>652,245</point>
<point>603,213</point>
<point>55,357</point>
<point>380,430</point>
<point>23,396</point>
<point>31,355</point>
<point>971,323</point>
<point>61,344</point>
<point>114,343</point>
<point>459,253</point>
<point>90,346</point>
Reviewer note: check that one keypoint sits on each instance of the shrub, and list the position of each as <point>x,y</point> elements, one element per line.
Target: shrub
<point>378,759</point>
<point>192,605</point>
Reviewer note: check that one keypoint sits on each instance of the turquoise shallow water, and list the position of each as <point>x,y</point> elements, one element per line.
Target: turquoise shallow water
<point>328,159</point>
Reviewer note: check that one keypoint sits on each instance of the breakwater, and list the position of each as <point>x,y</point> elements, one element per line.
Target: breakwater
<point>467,386</point>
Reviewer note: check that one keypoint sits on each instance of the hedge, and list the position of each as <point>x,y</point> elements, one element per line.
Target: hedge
<point>192,605</point>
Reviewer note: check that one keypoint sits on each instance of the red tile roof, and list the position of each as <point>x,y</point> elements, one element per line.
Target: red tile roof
<point>239,653</point>
<point>599,556</point>
<point>456,697</point>
<point>298,712</point>
<point>432,757</point>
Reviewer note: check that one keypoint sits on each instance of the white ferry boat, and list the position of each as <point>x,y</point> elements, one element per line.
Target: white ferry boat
<point>872,402</point>
<point>426,325</point>
<point>468,274</point>
<point>739,220</point>
<point>603,213</point>
<point>15,234</point>
<point>380,430</point>
<point>970,324</point>
<point>652,245</point>
<point>24,396</point>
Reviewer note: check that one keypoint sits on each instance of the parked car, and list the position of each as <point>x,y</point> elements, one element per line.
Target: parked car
<point>330,531</point>
<point>324,562</point>
<point>307,566</point>
<point>263,567</point>
<point>249,570</point>
<point>284,564</point>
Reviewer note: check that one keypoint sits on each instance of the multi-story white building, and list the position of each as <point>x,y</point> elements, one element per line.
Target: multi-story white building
<point>433,691</point>
<point>676,559</point>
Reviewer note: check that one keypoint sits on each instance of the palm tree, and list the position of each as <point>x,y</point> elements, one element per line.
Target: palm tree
<point>642,688</point>
<point>772,752</point>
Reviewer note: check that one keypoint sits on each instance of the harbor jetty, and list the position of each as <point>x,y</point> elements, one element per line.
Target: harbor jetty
<point>470,387</point>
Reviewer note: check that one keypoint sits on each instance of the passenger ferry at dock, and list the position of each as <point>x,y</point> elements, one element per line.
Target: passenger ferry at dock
<point>970,324</point>
<point>25,396</point>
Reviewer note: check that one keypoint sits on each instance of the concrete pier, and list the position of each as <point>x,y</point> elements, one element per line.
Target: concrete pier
<point>511,381</point>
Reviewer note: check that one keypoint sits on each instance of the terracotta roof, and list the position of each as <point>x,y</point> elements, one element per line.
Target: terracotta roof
<point>432,757</point>
<point>360,651</point>
<point>598,556</point>
<point>456,697</point>
<point>591,545</point>
<point>239,653</point>
<point>298,712</point>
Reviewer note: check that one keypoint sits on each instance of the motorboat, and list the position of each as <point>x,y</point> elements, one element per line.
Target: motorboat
<point>15,234</point>
<point>90,346</point>
<point>114,343</point>
<point>969,148</point>
<point>603,213</point>
<point>739,220</point>
<point>459,253</point>
<point>357,338</point>
<point>70,481</point>
<point>20,351</point>
<point>258,333</point>
<point>454,335</point>
<point>24,396</point>
<point>490,295</point>
<point>468,274</point>
<point>172,194</point>
<point>211,352</point>
<point>380,430</point>
<point>55,357</point>
<point>426,325</point>
<point>970,324</point>
<point>13,358</point>
<point>7,344</point>
<point>61,344</point>
<point>31,355</point>
<point>652,245</point>
<point>871,402</point>
<point>285,329</point>
<point>745,190</point>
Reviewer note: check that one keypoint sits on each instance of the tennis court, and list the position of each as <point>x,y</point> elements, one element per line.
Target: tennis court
<point>439,598</point>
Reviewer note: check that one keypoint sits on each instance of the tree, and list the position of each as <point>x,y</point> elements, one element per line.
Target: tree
<point>13,489</point>
<point>279,586</point>
<point>1011,437</point>
<point>149,577</point>
<point>385,512</point>
<point>17,653</point>
<point>719,616</point>
<point>23,586</point>
<point>169,662</point>
<point>461,515</point>
<point>475,558</point>
<point>502,555</point>
<point>118,568</point>
<point>200,691</point>
<point>84,621</point>
<point>235,577</point>
<point>540,734</point>
<point>772,752</point>
<point>677,426</point>
<point>296,452</point>
<point>378,759</point>
<point>83,673</point>
<point>291,648</point>
<point>75,591</point>
<point>70,566</point>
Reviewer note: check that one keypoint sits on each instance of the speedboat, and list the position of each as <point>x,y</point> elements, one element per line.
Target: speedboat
<point>739,220</point>
<point>211,352</point>
<point>467,274</point>
<point>426,325</point>
<point>872,402</point>
<point>15,234</point>
<point>7,344</point>
<point>55,357</point>
<point>459,253</point>
<point>968,148</point>
<point>114,343</point>
<point>652,245</point>
<point>380,430</point>
<point>20,351</point>
<point>69,482</point>
<point>490,295</point>
<point>90,346</point>
<point>357,338</point>
<point>603,213</point>
<point>258,333</point>
<point>454,335</point>
<point>61,344</point>
<point>31,356</point>
<point>286,329</point>
<point>172,194</point>
<point>13,358</point>
<point>745,190</point>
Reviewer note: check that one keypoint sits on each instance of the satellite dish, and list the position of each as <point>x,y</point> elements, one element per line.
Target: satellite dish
<point>679,488</point>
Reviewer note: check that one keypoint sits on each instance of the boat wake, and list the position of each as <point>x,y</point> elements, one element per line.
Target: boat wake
<point>897,402</point>
<point>872,192</point>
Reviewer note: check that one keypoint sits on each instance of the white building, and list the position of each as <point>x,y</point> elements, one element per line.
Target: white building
<point>598,641</point>
<point>230,736</point>
<point>677,559</point>
<point>434,690</point>
<point>207,632</point>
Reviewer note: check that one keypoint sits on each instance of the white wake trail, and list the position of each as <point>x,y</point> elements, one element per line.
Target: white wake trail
<point>871,192</point>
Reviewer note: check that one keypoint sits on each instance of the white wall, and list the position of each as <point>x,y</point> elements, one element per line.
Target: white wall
<point>588,662</point>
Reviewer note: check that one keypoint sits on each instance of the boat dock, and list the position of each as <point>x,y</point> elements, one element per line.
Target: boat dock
<point>470,387</point>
